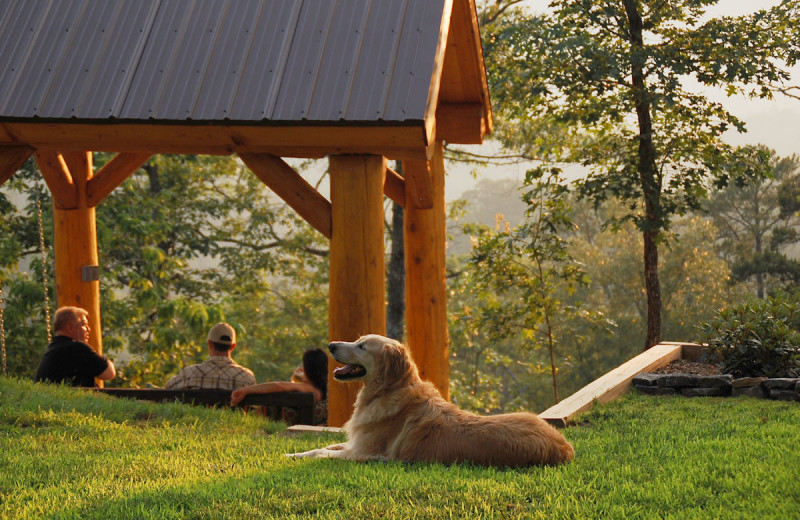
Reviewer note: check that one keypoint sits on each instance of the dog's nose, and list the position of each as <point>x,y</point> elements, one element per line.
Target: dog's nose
<point>332,347</point>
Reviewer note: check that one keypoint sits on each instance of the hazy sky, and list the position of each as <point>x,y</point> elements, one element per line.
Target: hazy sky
<point>775,123</point>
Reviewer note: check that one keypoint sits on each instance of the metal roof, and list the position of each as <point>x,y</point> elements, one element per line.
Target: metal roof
<point>244,61</point>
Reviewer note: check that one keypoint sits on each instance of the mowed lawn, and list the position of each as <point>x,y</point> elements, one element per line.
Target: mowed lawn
<point>65,453</point>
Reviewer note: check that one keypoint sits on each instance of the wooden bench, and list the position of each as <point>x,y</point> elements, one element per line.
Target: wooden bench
<point>303,402</point>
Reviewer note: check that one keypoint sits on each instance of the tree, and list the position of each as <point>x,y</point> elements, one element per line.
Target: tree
<point>396,272</point>
<point>26,278</point>
<point>603,84</point>
<point>522,274</point>
<point>184,242</point>
<point>757,221</point>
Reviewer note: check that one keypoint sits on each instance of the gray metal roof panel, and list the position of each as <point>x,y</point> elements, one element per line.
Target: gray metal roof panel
<point>340,54</point>
<point>412,76</point>
<point>265,61</point>
<point>210,60</point>
<point>374,74</point>
<point>302,67</point>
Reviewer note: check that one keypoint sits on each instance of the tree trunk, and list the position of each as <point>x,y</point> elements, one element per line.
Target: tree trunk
<point>396,279</point>
<point>648,176</point>
<point>396,275</point>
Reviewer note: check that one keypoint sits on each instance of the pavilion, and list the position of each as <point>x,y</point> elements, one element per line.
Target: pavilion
<point>360,82</point>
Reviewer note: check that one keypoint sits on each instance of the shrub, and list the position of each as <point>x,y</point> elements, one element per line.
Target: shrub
<point>756,339</point>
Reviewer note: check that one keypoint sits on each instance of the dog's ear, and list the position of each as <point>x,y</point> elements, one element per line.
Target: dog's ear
<point>396,363</point>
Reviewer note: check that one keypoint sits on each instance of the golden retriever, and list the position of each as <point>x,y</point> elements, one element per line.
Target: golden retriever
<point>398,416</point>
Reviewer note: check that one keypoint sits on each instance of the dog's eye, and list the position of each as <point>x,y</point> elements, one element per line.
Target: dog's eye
<point>361,346</point>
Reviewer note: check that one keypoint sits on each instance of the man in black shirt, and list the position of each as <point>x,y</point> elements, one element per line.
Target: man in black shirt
<point>68,359</point>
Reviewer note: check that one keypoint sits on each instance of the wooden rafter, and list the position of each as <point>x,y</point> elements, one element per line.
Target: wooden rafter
<point>56,174</point>
<point>292,188</point>
<point>394,187</point>
<point>11,159</point>
<point>112,175</point>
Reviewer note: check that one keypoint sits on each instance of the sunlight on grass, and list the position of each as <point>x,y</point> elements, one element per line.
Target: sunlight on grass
<point>68,454</point>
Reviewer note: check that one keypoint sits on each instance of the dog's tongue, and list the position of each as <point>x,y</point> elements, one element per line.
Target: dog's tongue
<point>344,371</point>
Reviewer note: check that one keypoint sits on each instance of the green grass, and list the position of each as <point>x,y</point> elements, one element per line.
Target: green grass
<point>67,454</point>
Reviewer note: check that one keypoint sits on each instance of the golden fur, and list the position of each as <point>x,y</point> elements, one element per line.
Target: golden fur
<point>398,416</point>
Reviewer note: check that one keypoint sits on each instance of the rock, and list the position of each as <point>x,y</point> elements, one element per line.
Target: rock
<point>749,391</point>
<point>645,379</point>
<point>692,381</point>
<point>706,392</point>
<point>781,383</point>
<point>784,395</point>
<point>656,390</point>
<point>744,382</point>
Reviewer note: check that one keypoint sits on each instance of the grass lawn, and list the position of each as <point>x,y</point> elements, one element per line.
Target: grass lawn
<point>67,454</point>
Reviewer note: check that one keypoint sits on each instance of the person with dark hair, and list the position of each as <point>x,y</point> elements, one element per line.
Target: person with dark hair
<point>220,372</point>
<point>311,376</point>
<point>68,358</point>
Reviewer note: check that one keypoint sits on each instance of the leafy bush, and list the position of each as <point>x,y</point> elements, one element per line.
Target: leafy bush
<point>756,339</point>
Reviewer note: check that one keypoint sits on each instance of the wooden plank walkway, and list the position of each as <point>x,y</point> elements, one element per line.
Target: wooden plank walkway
<point>616,382</point>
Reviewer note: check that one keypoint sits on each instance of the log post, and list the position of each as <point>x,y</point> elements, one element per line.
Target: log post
<point>426,285</point>
<point>357,274</point>
<point>75,248</point>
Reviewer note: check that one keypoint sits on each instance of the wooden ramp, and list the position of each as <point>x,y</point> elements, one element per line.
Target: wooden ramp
<point>616,382</point>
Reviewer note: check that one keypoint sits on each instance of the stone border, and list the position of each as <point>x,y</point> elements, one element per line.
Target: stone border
<point>690,385</point>
<point>616,382</point>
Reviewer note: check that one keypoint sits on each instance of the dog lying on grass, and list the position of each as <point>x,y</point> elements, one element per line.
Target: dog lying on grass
<point>398,416</point>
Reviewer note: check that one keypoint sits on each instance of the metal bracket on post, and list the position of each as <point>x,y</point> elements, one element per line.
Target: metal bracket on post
<point>90,273</point>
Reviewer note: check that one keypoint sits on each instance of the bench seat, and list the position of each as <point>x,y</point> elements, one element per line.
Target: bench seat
<point>303,402</point>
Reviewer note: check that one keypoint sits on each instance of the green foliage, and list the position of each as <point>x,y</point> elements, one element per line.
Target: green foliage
<point>604,84</point>
<point>79,456</point>
<point>21,276</point>
<point>757,221</point>
<point>513,294</point>
<point>755,339</point>
<point>185,242</point>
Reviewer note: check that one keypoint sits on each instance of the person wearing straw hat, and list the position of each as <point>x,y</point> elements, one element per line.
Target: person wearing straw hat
<point>220,372</point>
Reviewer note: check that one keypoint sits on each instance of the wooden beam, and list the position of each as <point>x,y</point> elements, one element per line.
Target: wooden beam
<point>394,187</point>
<point>438,68</point>
<point>79,164</point>
<point>11,159</point>
<point>58,178</point>
<point>75,246</point>
<point>399,141</point>
<point>464,76</point>
<point>460,123</point>
<point>426,285</point>
<point>419,187</point>
<point>357,274</point>
<point>75,243</point>
<point>292,188</point>
<point>612,384</point>
<point>112,175</point>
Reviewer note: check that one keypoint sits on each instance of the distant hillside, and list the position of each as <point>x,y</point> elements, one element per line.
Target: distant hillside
<point>490,199</point>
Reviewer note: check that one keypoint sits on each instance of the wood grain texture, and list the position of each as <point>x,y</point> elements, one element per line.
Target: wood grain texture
<point>357,272</point>
<point>613,384</point>
<point>426,286</point>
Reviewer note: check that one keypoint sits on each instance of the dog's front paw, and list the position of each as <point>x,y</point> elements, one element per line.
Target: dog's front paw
<point>303,454</point>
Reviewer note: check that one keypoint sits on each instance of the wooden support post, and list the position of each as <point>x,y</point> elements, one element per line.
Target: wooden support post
<point>75,238</point>
<point>357,273</point>
<point>426,286</point>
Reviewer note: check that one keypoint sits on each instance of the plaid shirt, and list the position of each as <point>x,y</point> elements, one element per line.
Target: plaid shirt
<point>219,372</point>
